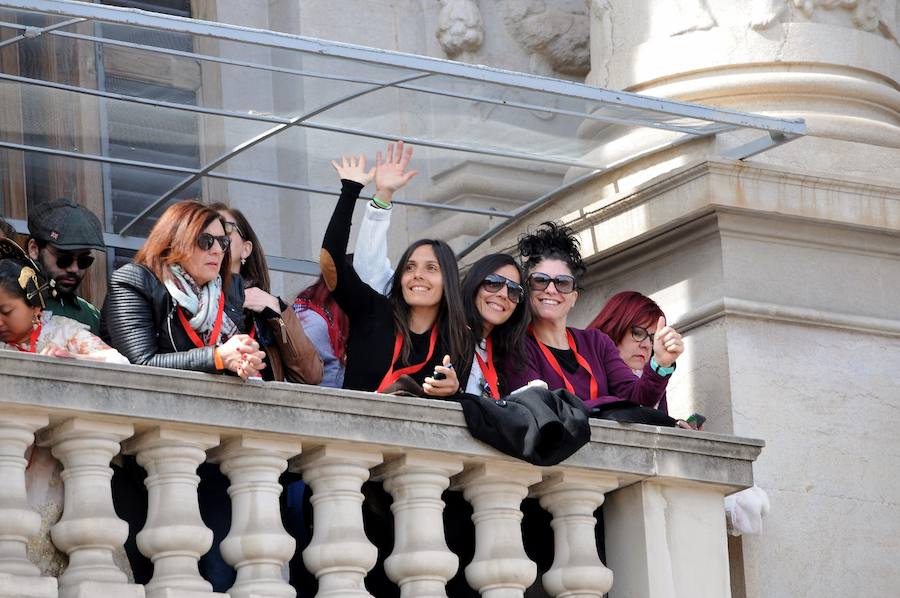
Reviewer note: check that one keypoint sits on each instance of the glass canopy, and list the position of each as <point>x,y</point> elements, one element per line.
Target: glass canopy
<point>164,136</point>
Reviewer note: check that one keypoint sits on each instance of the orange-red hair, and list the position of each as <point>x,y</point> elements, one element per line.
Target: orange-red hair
<point>624,310</point>
<point>174,238</point>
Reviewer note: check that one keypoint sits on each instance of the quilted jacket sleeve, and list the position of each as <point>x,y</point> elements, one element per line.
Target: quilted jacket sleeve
<point>135,320</point>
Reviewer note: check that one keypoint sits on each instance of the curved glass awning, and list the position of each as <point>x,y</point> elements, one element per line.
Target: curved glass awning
<point>167,136</point>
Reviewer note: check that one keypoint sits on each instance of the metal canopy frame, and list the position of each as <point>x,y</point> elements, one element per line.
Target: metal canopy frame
<point>411,74</point>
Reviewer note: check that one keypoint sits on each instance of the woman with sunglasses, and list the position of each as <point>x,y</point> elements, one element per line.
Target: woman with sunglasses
<point>174,306</point>
<point>418,330</point>
<point>290,356</point>
<point>585,362</point>
<point>497,318</point>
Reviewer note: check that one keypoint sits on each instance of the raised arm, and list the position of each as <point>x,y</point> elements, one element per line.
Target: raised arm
<point>353,295</point>
<point>370,258</point>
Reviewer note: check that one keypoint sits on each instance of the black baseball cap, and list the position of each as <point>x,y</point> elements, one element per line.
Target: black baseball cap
<point>66,225</point>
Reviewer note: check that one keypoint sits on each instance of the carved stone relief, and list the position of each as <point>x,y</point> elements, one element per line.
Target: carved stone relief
<point>460,27</point>
<point>555,32</point>
<point>869,15</point>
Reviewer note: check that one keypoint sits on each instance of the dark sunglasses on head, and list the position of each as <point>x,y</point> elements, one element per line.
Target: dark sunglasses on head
<point>205,241</point>
<point>65,260</point>
<point>639,333</point>
<point>538,281</point>
<point>494,282</point>
<point>232,227</point>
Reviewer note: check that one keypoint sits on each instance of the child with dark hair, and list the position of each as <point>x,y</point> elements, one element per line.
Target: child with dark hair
<point>585,362</point>
<point>418,329</point>
<point>26,326</point>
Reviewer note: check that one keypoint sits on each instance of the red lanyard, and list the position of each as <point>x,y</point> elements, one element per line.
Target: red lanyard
<point>595,389</point>
<point>217,327</point>
<point>32,343</point>
<point>391,376</point>
<point>488,369</point>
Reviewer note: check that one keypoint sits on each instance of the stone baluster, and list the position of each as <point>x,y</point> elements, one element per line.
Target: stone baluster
<point>257,545</point>
<point>500,567</point>
<point>339,554</point>
<point>656,534</point>
<point>421,563</point>
<point>572,498</point>
<point>174,537</point>
<point>18,521</point>
<point>89,530</point>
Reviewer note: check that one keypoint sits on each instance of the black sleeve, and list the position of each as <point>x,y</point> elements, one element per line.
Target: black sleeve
<point>133,331</point>
<point>353,296</point>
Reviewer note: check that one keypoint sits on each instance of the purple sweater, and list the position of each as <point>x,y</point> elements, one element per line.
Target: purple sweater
<point>616,381</point>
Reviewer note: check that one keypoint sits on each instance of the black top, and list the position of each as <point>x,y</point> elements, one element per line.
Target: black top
<point>566,359</point>
<point>371,342</point>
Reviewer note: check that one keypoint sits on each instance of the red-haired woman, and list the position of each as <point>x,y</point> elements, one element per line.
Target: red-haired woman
<point>631,320</point>
<point>174,306</point>
<point>327,326</point>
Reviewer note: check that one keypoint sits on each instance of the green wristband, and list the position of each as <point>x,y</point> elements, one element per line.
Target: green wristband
<point>380,204</point>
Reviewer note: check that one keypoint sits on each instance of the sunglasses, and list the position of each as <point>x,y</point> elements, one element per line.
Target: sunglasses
<point>232,227</point>
<point>65,260</point>
<point>639,333</point>
<point>205,241</point>
<point>538,281</point>
<point>494,282</point>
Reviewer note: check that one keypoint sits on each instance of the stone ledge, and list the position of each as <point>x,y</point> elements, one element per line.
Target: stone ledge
<point>148,396</point>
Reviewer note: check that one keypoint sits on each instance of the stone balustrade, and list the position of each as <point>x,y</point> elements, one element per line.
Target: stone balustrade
<point>662,488</point>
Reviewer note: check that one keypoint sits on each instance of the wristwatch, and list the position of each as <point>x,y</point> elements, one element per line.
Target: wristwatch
<point>660,369</point>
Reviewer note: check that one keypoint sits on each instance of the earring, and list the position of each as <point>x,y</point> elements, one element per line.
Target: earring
<point>35,320</point>
<point>243,261</point>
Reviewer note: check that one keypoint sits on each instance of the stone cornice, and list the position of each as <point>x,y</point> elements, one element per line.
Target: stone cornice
<point>773,312</point>
<point>691,193</point>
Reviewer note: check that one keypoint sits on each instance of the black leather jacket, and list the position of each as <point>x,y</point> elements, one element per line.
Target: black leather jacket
<point>140,321</point>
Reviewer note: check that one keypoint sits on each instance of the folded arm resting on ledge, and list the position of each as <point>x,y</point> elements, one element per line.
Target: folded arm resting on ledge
<point>137,315</point>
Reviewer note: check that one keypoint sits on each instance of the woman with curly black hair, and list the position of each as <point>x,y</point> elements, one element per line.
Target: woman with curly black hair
<point>585,362</point>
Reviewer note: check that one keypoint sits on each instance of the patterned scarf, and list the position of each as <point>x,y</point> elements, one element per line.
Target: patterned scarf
<point>200,303</point>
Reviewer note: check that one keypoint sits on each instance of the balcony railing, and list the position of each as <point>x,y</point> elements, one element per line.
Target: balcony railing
<point>663,489</point>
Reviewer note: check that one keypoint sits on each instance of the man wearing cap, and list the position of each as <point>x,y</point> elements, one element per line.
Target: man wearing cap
<point>62,235</point>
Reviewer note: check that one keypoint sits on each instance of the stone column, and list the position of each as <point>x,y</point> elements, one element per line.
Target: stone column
<point>572,498</point>
<point>174,537</point>
<point>500,567</point>
<point>667,541</point>
<point>339,554</point>
<point>89,530</point>
<point>421,563</point>
<point>257,545</point>
<point>18,521</point>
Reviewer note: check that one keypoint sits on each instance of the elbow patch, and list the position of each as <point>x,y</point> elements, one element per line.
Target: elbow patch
<point>329,271</point>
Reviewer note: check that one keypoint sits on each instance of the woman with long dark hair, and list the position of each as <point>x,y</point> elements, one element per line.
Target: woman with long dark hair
<point>418,330</point>
<point>585,362</point>
<point>497,315</point>
<point>290,355</point>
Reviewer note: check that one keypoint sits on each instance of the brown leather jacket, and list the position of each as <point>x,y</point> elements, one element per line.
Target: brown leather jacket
<point>293,357</point>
